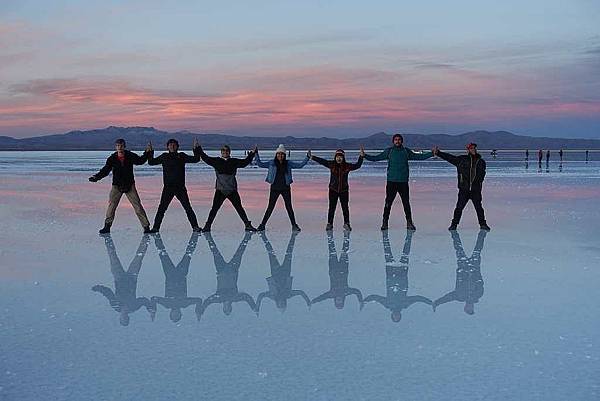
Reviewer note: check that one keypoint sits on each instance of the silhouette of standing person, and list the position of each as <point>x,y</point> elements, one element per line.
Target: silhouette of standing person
<point>124,299</point>
<point>587,156</point>
<point>540,156</point>
<point>338,275</point>
<point>526,154</point>
<point>227,277</point>
<point>396,280</point>
<point>560,154</point>
<point>469,281</point>
<point>176,297</point>
<point>280,281</point>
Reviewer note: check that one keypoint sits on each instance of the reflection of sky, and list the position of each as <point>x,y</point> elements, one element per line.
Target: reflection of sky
<point>277,68</point>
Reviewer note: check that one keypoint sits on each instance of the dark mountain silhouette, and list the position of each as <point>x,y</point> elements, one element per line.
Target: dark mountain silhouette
<point>138,137</point>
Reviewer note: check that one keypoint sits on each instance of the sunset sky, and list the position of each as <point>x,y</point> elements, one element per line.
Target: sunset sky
<point>303,68</point>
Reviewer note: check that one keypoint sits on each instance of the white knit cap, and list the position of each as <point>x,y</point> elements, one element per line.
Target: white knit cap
<point>280,148</point>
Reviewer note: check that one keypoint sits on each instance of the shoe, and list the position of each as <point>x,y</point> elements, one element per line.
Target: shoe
<point>296,227</point>
<point>105,229</point>
<point>485,227</point>
<point>148,230</point>
<point>410,226</point>
<point>206,228</point>
<point>347,227</point>
<point>261,227</point>
<point>384,226</point>
<point>453,227</point>
<point>197,229</point>
<point>328,227</point>
<point>249,227</point>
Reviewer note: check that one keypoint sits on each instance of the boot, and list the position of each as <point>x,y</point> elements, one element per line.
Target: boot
<point>485,227</point>
<point>261,227</point>
<point>206,228</point>
<point>148,230</point>
<point>329,227</point>
<point>410,226</point>
<point>453,227</point>
<point>384,225</point>
<point>296,227</point>
<point>347,227</point>
<point>197,229</point>
<point>249,227</point>
<point>105,229</point>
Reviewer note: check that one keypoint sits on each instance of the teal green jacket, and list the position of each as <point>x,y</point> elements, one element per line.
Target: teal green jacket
<point>398,157</point>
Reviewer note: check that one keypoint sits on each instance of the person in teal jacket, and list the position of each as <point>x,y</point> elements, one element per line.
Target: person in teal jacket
<point>279,176</point>
<point>397,177</point>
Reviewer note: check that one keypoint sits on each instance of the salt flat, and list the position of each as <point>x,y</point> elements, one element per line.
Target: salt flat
<point>533,335</point>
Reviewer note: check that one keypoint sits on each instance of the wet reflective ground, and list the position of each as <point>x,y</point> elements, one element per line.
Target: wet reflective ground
<point>366,315</point>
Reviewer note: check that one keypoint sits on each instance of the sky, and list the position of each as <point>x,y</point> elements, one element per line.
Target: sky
<point>303,68</point>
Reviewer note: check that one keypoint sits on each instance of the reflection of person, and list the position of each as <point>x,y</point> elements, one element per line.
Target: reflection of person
<point>176,297</point>
<point>226,183</point>
<point>279,176</point>
<point>280,281</point>
<point>469,281</point>
<point>173,163</point>
<point>338,274</point>
<point>397,177</point>
<point>338,184</point>
<point>396,280</point>
<point>227,278</point>
<point>121,163</point>
<point>471,173</point>
<point>124,299</point>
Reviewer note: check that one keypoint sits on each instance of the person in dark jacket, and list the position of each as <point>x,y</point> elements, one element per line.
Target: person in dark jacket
<point>173,163</point>
<point>280,281</point>
<point>121,165</point>
<point>124,299</point>
<point>471,173</point>
<point>227,279</point>
<point>338,185</point>
<point>226,183</point>
<point>396,280</point>
<point>279,176</point>
<point>176,289</point>
<point>338,275</point>
<point>469,281</point>
<point>397,177</point>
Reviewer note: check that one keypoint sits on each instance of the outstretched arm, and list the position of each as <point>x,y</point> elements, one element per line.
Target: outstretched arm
<point>107,292</point>
<point>137,159</point>
<point>104,171</point>
<point>356,166</point>
<point>376,298</point>
<point>198,151</point>
<point>322,297</point>
<point>301,164</point>
<point>301,293</point>
<point>261,163</point>
<point>241,163</point>
<point>322,162</point>
<point>152,161</point>
<point>242,296</point>
<point>449,297</point>
<point>380,156</point>
<point>450,158</point>
<point>418,298</point>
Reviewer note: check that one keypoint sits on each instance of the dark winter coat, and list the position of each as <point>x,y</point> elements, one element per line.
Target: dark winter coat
<point>173,166</point>
<point>470,169</point>
<point>122,174</point>
<point>338,180</point>
<point>225,169</point>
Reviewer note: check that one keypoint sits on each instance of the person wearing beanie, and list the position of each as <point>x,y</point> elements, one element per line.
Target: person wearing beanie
<point>173,163</point>
<point>279,175</point>
<point>397,177</point>
<point>121,163</point>
<point>338,185</point>
<point>471,172</point>
<point>225,184</point>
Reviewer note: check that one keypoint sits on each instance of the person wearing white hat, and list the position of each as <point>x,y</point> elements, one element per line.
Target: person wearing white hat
<point>279,175</point>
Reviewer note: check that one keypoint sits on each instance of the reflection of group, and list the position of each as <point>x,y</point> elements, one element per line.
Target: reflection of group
<point>280,289</point>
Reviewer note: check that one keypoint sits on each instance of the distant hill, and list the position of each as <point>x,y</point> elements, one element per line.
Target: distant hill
<point>138,137</point>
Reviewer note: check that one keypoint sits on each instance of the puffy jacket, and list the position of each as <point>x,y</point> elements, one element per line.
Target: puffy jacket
<point>338,180</point>
<point>273,169</point>
<point>173,166</point>
<point>398,157</point>
<point>470,169</point>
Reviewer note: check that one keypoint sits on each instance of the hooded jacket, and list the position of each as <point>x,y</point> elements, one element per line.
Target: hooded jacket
<point>470,170</point>
<point>338,180</point>
<point>122,173</point>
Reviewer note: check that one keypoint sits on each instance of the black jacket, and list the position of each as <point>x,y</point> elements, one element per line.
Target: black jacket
<point>173,166</point>
<point>122,174</point>
<point>470,169</point>
<point>225,169</point>
<point>338,180</point>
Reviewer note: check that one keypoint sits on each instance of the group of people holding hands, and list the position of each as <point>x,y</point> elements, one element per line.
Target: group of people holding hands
<point>470,168</point>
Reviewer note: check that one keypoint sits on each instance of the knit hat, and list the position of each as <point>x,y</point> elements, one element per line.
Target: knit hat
<point>340,152</point>
<point>471,145</point>
<point>280,148</point>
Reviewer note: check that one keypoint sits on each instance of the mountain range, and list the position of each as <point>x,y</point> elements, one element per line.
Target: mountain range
<point>138,137</point>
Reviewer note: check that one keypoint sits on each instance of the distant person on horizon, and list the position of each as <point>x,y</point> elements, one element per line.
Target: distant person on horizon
<point>226,183</point>
<point>560,154</point>
<point>173,164</point>
<point>587,155</point>
<point>121,163</point>
<point>471,173</point>
<point>279,176</point>
<point>397,177</point>
<point>526,154</point>
<point>338,184</point>
<point>547,157</point>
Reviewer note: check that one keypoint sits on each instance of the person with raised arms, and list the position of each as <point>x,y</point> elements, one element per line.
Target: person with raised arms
<point>279,176</point>
<point>226,183</point>
<point>397,157</point>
